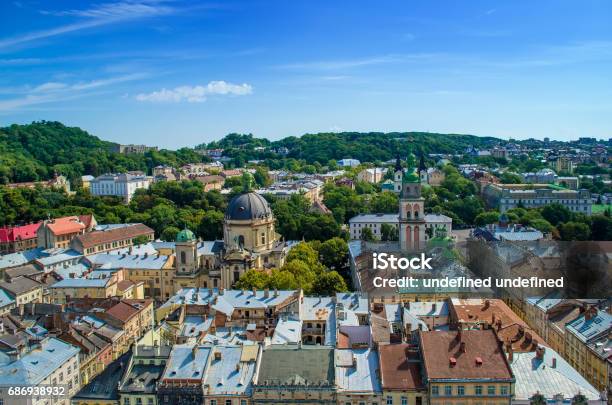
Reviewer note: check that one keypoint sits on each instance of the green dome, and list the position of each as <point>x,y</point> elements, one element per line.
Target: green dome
<point>185,236</point>
<point>411,177</point>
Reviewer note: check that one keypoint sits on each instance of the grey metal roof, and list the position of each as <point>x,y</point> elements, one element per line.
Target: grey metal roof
<point>248,206</point>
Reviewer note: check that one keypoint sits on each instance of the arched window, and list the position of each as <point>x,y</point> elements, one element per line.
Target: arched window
<point>263,238</point>
<point>241,240</point>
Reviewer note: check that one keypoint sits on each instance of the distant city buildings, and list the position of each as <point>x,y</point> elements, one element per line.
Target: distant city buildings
<point>131,148</point>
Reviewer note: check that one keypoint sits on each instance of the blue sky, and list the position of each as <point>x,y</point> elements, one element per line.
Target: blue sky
<point>176,73</point>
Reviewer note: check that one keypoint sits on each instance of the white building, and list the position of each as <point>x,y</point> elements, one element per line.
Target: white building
<point>348,162</point>
<point>53,364</point>
<point>375,221</point>
<point>372,175</point>
<point>121,185</point>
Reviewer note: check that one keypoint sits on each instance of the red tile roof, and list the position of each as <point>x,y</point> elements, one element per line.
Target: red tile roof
<point>453,354</point>
<point>100,237</point>
<point>122,311</point>
<point>68,225</point>
<point>12,234</point>
<point>400,368</point>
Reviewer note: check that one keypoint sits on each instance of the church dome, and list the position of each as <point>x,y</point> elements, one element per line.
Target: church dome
<point>248,206</point>
<point>185,236</point>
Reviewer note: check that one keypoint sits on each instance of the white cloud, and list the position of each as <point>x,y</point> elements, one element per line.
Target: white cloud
<point>51,92</point>
<point>195,94</point>
<point>99,15</point>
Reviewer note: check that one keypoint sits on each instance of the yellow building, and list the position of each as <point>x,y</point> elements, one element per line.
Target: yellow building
<point>400,375</point>
<point>466,366</point>
<point>586,337</point>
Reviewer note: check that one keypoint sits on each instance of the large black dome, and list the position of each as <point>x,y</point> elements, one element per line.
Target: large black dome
<point>248,206</point>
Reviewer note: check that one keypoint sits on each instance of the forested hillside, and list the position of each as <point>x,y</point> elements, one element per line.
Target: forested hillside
<point>35,151</point>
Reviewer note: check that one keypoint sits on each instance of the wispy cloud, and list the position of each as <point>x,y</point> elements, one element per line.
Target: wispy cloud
<point>53,92</point>
<point>99,15</point>
<point>195,94</point>
<point>353,63</point>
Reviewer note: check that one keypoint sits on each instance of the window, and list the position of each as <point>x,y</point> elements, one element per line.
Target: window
<point>139,401</point>
<point>478,390</point>
<point>389,400</point>
<point>183,258</point>
<point>213,402</point>
<point>460,390</point>
<point>228,402</point>
<point>126,401</point>
<point>504,390</point>
<point>404,401</point>
<point>448,390</point>
<point>435,391</point>
<point>243,402</point>
<point>491,390</point>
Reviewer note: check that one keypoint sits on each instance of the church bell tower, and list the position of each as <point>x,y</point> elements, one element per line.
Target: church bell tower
<point>411,210</point>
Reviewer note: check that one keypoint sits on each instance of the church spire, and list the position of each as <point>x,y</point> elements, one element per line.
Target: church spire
<point>422,163</point>
<point>398,164</point>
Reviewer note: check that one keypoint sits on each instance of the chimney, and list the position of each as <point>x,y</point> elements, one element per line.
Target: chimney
<point>407,305</point>
<point>194,351</point>
<point>510,351</point>
<point>221,290</point>
<point>254,291</point>
<point>554,362</point>
<point>540,353</point>
<point>487,304</point>
<point>434,307</point>
<point>266,293</point>
<point>462,347</point>
<point>217,356</point>
<point>493,319</point>
<point>275,292</point>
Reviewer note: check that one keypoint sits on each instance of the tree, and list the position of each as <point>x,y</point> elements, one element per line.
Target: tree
<point>303,274</point>
<point>601,227</point>
<point>253,279</point>
<point>334,253</point>
<point>329,283</point>
<point>574,231</point>
<point>556,213</point>
<point>385,202</point>
<point>510,178</point>
<point>541,225</point>
<point>211,225</point>
<point>169,233</point>
<point>367,235</point>
<point>388,232</point>
<point>142,239</point>
<point>579,399</point>
<point>485,218</point>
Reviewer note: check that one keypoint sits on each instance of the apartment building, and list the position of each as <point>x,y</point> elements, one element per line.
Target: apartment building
<point>18,238</point>
<point>50,363</point>
<point>117,237</point>
<point>59,232</point>
<point>467,366</point>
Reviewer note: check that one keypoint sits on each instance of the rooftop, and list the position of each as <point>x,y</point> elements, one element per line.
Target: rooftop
<point>278,365</point>
<point>468,355</point>
<point>187,362</point>
<point>100,237</point>
<point>356,370</point>
<point>104,385</point>
<point>549,379</point>
<point>589,326</point>
<point>228,374</point>
<point>36,365</point>
<point>399,369</point>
